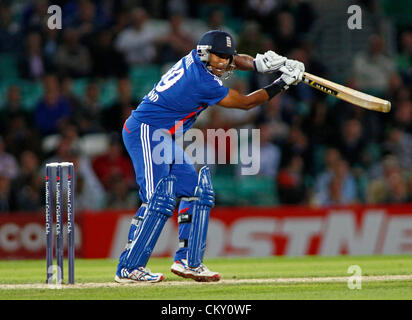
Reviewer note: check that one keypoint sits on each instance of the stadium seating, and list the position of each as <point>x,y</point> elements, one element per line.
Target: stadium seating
<point>32,92</point>
<point>257,190</point>
<point>143,78</point>
<point>253,190</point>
<point>108,92</point>
<point>8,67</point>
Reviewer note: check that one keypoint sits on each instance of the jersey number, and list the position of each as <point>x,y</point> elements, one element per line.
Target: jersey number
<point>171,77</point>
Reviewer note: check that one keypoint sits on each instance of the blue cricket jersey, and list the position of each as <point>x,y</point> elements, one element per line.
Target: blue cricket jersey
<point>183,92</point>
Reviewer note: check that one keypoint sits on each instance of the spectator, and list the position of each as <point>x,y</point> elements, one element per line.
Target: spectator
<point>306,54</point>
<point>398,190</point>
<point>70,134</point>
<point>29,197</point>
<point>72,58</point>
<point>303,13</point>
<point>52,109</point>
<point>88,113</point>
<point>372,123</point>
<point>331,156</point>
<point>251,39</point>
<point>336,186</point>
<point>402,117</point>
<point>395,84</point>
<point>319,130</point>
<point>284,34</point>
<point>114,116</point>
<point>399,143</point>
<point>121,22</point>
<point>316,125</point>
<point>33,64</point>
<point>402,94</point>
<point>404,58</point>
<point>322,178</point>
<point>351,143</point>
<point>20,137</point>
<point>408,178</point>
<point>35,15</point>
<point>175,44</point>
<point>51,44</point>
<point>216,21</point>
<point>389,186</point>
<point>85,20</point>
<point>11,36</point>
<point>92,195</point>
<point>113,163</point>
<point>180,7</point>
<point>119,196</point>
<point>263,11</point>
<point>373,68</point>
<point>6,200</point>
<point>137,42</point>
<point>291,188</point>
<point>28,185</point>
<point>8,165</point>
<point>297,144</point>
<point>107,61</point>
<point>267,154</point>
<point>13,108</point>
<point>271,112</point>
<point>68,94</point>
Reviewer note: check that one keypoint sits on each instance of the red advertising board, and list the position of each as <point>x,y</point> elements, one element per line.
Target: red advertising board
<point>23,236</point>
<point>242,231</point>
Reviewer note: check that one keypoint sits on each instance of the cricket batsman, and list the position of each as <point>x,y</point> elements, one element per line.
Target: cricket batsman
<point>188,88</point>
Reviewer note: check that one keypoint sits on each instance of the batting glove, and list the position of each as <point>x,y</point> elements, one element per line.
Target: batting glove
<point>268,62</point>
<point>292,72</point>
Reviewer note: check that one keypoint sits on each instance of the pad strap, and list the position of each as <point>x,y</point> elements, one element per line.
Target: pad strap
<point>183,243</point>
<point>188,199</point>
<point>184,218</point>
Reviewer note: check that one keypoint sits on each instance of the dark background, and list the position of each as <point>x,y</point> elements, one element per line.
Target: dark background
<point>64,95</point>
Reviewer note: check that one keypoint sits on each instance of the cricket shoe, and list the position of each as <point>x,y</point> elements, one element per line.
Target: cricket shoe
<point>200,273</point>
<point>139,274</point>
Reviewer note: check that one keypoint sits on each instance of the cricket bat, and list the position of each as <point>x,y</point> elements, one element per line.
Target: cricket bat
<point>355,97</point>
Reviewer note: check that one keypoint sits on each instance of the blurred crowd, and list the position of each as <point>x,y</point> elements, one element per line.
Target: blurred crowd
<point>314,149</point>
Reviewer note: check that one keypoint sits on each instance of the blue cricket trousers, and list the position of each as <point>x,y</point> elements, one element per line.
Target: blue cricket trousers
<point>144,152</point>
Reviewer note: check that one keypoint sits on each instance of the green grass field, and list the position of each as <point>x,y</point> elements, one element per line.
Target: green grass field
<point>243,278</point>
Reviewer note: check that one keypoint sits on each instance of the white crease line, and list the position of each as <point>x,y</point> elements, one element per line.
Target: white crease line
<point>182,283</point>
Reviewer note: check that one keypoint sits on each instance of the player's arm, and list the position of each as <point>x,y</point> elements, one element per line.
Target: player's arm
<point>264,63</point>
<point>292,74</point>
<point>235,99</point>
<point>268,62</point>
<point>244,62</point>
